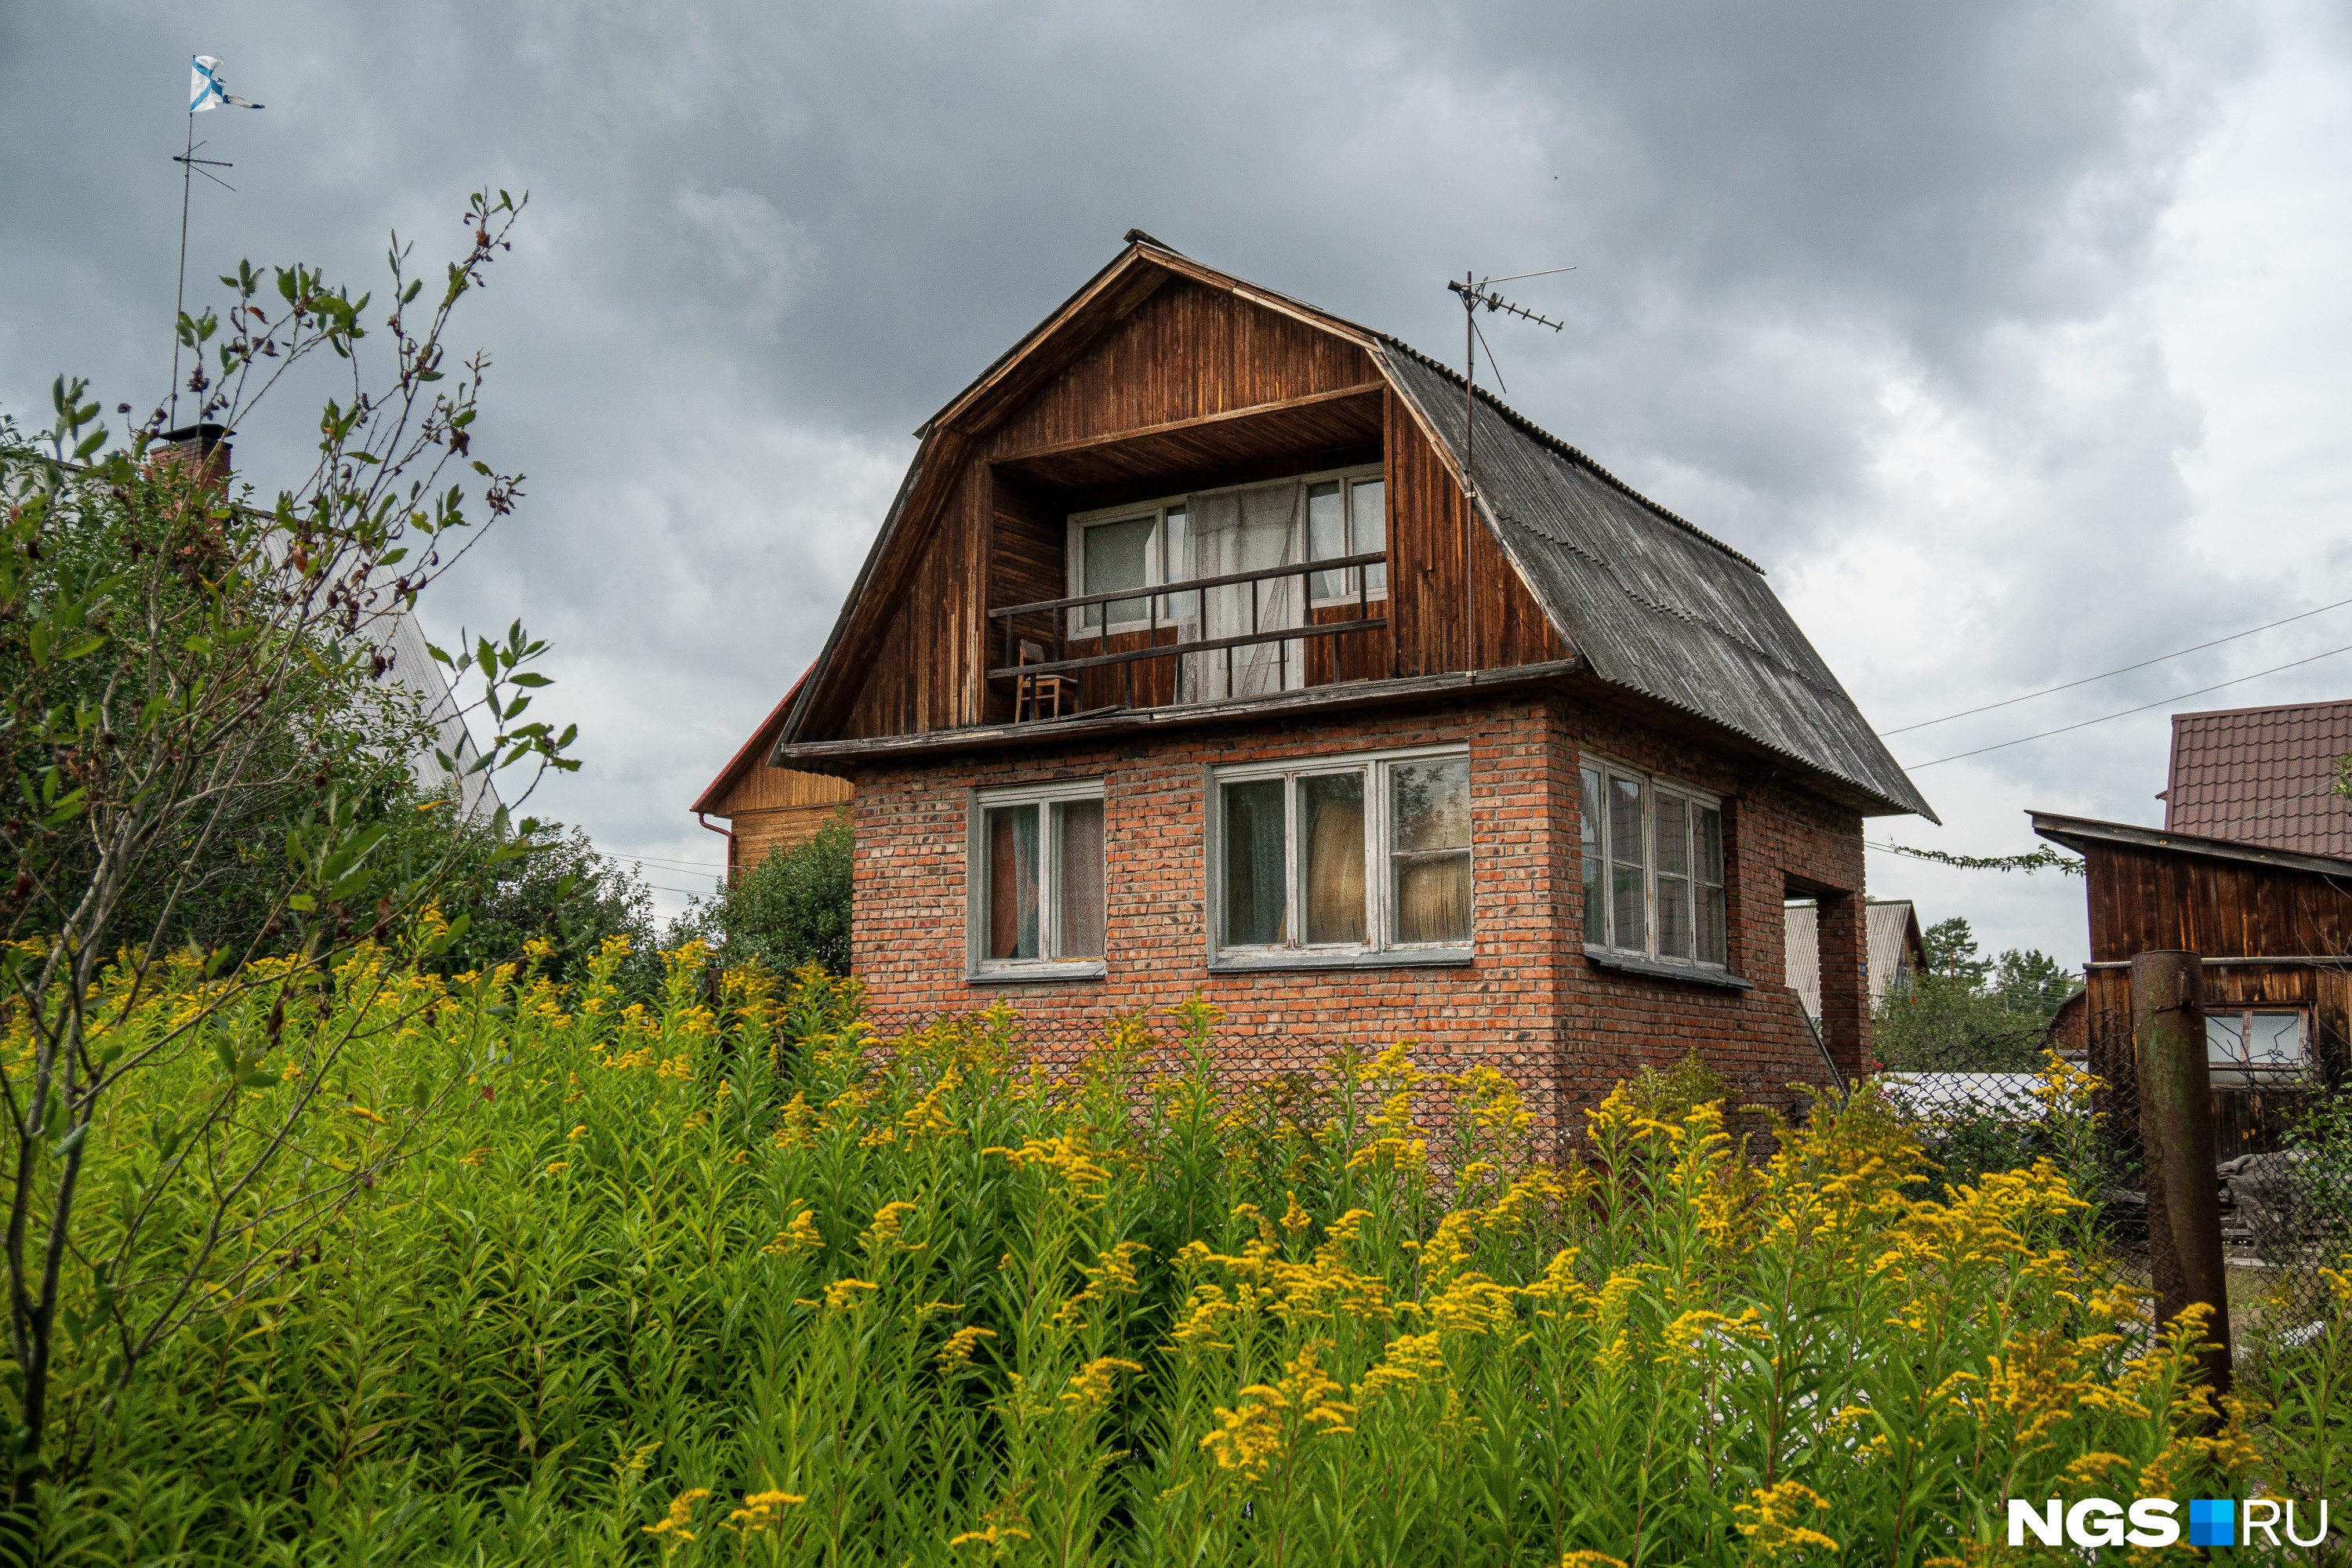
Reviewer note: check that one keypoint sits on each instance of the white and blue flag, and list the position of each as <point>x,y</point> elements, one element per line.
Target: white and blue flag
<point>206,89</point>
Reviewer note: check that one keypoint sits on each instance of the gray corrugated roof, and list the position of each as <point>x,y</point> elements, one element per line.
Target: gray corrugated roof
<point>1651,603</point>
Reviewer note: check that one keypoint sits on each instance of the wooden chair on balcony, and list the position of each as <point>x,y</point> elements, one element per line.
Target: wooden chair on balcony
<point>1031,693</point>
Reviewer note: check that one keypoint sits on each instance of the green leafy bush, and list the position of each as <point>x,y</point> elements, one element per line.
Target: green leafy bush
<point>790,910</point>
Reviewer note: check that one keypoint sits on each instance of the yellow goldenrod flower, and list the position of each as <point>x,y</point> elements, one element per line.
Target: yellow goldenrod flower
<point>843,1294</point>
<point>761,1511</point>
<point>961,1344</point>
<point>1770,1517</point>
<point>681,1514</point>
<point>1093,1384</point>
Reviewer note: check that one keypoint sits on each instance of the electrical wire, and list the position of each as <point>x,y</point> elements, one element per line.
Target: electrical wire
<point>2159,702</point>
<point>2127,669</point>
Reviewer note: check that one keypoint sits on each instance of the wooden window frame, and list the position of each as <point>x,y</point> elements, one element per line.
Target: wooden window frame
<point>1376,951</point>
<point>1156,564</point>
<point>1609,768</point>
<point>979,968</point>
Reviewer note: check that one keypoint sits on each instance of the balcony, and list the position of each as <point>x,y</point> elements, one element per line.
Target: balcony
<point>1238,635</point>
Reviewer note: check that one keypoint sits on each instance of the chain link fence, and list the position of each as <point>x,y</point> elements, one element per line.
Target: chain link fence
<point>2281,1158</point>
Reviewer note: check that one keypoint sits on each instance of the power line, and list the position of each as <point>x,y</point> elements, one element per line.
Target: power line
<point>2160,702</point>
<point>2143,664</point>
<point>669,860</point>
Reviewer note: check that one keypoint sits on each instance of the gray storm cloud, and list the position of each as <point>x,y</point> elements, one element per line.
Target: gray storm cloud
<point>1960,318</point>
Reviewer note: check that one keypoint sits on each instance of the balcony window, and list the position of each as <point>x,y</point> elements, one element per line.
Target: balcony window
<point>1347,517</point>
<point>1653,867</point>
<point>1361,860</point>
<point>1213,534</point>
<point>1036,883</point>
<point>1125,552</point>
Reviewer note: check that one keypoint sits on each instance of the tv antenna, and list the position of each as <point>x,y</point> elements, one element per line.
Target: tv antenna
<point>1474,292</point>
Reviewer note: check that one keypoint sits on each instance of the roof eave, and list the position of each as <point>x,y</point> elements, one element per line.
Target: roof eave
<point>751,753</point>
<point>2081,834</point>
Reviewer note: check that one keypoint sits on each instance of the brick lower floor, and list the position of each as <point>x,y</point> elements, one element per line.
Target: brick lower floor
<point>1529,1001</point>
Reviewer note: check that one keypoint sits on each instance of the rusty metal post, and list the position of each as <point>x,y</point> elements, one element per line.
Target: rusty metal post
<point>2176,1103</point>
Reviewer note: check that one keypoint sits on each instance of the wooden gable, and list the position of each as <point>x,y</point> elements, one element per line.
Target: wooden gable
<point>1158,379</point>
<point>768,809</point>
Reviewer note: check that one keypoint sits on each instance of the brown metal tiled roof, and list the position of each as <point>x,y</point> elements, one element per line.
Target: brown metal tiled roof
<point>2262,775</point>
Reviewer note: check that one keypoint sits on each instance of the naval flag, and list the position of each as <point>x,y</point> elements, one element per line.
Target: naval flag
<point>206,89</point>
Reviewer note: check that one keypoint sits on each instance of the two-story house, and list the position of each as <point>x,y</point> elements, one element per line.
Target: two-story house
<point>1180,666</point>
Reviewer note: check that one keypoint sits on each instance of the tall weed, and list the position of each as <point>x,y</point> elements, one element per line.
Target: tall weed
<point>680,1284</point>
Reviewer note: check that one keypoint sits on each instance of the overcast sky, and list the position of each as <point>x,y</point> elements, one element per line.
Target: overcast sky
<point>2013,339</point>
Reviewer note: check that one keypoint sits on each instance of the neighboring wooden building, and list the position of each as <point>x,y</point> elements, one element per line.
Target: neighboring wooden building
<point>1897,950</point>
<point>2262,775</point>
<point>768,809</point>
<point>2273,929</point>
<point>1179,667</point>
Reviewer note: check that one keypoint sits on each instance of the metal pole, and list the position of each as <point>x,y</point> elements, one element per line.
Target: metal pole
<point>180,299</point>
<point>1469,460</point>
<point>2176,1103</point>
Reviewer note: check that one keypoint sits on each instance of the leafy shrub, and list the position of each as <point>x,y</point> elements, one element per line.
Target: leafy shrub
<point>790,910</point>
<point>1969,1014</point>
<point>665,1282</point>
<point>564,895</point>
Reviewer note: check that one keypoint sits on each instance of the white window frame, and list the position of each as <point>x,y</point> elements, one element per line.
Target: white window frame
<point>1651,783</point>
<point>1156,564</point>
<point>1377,950</point>
<point>981,969</point>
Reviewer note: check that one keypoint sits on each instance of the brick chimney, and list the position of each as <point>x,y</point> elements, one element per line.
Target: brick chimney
<point>203,447</point>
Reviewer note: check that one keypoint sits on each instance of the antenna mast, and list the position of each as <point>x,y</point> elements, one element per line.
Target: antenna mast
<point>205,93</point>
<point>1475,291</point>
<point>188,162</point>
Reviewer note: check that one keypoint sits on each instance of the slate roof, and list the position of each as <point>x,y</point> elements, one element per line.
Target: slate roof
<point>1650,602</point>
<point>2262,775</point>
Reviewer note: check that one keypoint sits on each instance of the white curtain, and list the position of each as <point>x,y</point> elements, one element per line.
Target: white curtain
<point>1242,530</point>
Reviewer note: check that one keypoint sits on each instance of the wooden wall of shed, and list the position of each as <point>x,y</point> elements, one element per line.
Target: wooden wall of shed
<point>770,808</point>
<point>2142,900</point>
<point>759,834</point>
<point>2246,1119</point>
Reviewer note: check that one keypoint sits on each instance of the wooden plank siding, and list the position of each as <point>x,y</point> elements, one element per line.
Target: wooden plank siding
<point>1192,388</point>
<point>771,808</point>
<point>2146,900</point>
<point>1188,351</point>
<point>1425,565</point>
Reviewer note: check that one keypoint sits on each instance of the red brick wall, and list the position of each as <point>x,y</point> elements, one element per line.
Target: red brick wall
<point>1530,1004</point>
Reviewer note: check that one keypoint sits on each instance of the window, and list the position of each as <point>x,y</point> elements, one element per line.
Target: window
<point>1134,551</point>
<point>1342,861</point>
<point>1318,517</point>
<point>1036,883</point>
<point>1347,517</point>
<point>1653,869</point>
<point>2243,1042</point>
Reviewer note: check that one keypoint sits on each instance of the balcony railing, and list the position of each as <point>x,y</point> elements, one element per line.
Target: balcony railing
<point>1157,593</point>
